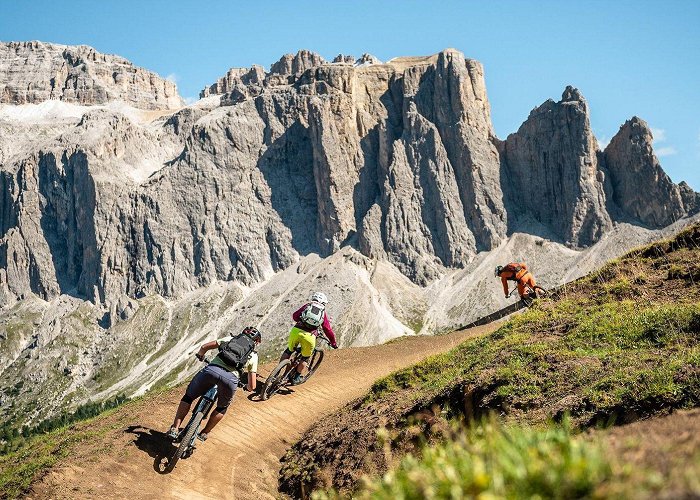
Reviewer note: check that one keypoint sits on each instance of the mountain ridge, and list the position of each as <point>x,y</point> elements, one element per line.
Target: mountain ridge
<point>32,72</point>
<point>381,183</point>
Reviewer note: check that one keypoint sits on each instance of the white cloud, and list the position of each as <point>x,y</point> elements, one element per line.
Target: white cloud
<point>172,77</point>
<point>667,151</point>
<point>190,100</point>
<point>659,134</point>
<point>603,142</point>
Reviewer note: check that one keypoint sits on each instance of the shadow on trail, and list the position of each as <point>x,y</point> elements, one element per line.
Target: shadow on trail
<point>156,444</point>
<point>255,397</point>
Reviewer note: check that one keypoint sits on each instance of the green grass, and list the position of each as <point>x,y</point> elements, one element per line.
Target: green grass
<point>36,454</point>
<point>19,468</point>
<point>493,461</point>
<point>612,355</point>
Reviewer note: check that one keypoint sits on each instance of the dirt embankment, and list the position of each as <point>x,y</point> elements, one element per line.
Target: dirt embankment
<point>241,458</point>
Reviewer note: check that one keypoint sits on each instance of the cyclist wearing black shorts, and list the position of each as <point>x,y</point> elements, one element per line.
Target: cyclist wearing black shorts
<point>219,373</point>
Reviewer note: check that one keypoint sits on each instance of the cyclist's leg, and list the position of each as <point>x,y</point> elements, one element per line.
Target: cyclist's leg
<point>227,383</point>
<point>291,343</point>
<point>308,343</point>
<point>521,288</point>
<point>529,280</point>
<point>200,384</point>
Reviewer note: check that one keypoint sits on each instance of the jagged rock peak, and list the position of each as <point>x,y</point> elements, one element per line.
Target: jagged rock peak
<point>638,131</point>
<point>567,193</point>
<point>572,94</point>
<point>33,72</point>
<point>571,97</point>
<point>235,76</point>
<point>367,59</point>
<point>294,65</point>
<point>342,58</point>
<point>640,186</point>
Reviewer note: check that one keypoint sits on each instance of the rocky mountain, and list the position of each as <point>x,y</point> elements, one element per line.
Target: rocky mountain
<point>631,163</point>
<point>33,72</point>
<point>556,175</point>
<point>552,171</point>
<point>128,235</point>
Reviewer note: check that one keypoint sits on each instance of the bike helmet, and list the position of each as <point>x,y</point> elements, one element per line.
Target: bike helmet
<point>319,297</point>
<point>253,333</point>
<point>498,270</point>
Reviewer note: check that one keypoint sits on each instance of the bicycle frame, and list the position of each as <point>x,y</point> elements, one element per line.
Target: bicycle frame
<point>528,290</point>
<point>295,357</point>
<point>205,404</point>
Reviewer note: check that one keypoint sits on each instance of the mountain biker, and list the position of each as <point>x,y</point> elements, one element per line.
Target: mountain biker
<point>518,272</point>
<point>309,318</point>
<point>222,374</point>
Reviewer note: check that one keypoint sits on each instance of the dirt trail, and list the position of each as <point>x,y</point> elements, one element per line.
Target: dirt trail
<point>241,458</point>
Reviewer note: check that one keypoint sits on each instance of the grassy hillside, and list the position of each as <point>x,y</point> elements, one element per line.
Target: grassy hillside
<point>29,458</point>
<point>617,346</point>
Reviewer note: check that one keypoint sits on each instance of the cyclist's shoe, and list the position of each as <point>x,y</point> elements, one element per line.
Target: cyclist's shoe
<point>202,436</point>
<point>173,434</point>
<point>298,379</point>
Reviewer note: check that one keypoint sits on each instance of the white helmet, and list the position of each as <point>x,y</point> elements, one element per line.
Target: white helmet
<point>319,297</point>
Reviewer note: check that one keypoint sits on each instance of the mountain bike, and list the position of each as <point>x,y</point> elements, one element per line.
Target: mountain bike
<point>530,294</point>
<point>283,373</point>
<point>188,435</point>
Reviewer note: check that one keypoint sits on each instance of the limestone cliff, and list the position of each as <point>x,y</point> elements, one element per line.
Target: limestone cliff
<point>396,158</point>
<point>32,72</point>
<point>640,186</point>
<point>552,171</point>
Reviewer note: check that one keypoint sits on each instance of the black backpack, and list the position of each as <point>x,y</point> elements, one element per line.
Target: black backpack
<point>237,351</point>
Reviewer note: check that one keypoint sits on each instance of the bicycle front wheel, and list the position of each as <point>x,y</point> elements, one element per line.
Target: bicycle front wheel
<point>190,432</point>
<point>275,380</point>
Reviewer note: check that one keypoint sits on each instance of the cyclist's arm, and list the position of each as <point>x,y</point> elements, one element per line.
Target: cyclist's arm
<point>504,280</point>
<point>207,347</point>
<point>328,330</point>
<point>252,367</point>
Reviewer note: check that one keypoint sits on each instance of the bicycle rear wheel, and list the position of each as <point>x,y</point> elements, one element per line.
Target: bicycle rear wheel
<point>314,363</point>
<point>275,380</point>
<point>190,432</point>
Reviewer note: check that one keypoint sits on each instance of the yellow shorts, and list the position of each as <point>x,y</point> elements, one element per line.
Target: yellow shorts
<point>298,336</point>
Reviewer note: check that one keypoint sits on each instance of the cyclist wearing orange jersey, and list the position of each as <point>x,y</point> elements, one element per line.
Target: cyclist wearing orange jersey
<point>518,272</point>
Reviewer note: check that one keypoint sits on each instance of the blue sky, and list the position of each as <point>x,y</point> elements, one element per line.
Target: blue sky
<point>627,57</point>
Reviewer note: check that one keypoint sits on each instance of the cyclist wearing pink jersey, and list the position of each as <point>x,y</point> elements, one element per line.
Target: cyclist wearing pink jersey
<point>309,318</point>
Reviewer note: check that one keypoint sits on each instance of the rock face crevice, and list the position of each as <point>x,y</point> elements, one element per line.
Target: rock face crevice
<point>397,159</point>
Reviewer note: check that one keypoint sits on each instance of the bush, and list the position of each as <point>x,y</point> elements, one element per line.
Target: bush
<point>492,461</point>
